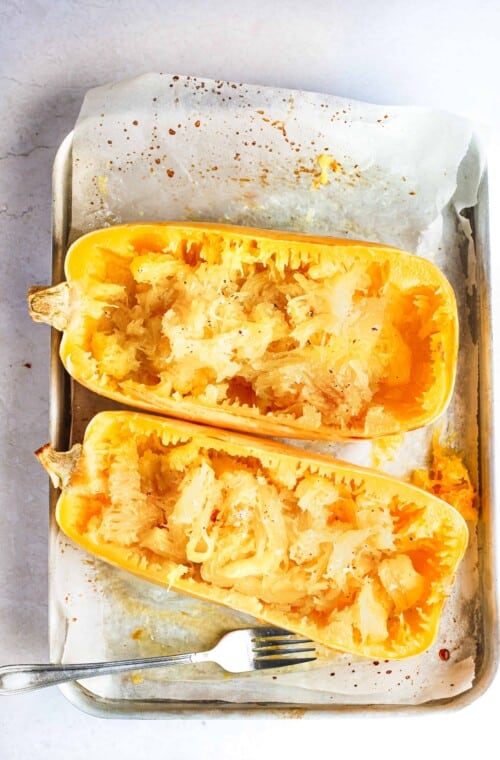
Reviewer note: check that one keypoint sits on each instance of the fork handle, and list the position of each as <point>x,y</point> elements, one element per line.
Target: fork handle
<point>15,679</point>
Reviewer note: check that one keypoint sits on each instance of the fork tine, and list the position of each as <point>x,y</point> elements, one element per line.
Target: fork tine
<point>277,636</point>
<point>281,662</point>
<point>279,641</point>
<point>264,631</point>
<point>260,653</point>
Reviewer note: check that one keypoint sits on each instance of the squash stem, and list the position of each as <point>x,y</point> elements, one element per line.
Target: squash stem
<point>50,305</point>
<point>59,464</point>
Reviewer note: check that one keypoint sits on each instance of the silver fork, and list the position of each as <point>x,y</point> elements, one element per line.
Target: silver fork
<point>238,651</point>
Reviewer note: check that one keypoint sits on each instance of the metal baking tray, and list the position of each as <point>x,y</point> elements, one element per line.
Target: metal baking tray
<point>70,410</point>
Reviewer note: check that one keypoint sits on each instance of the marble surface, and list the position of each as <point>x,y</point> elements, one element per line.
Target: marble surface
<point>443,55</point>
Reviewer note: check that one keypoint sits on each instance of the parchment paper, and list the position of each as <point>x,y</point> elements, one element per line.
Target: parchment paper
<point>166,147</point>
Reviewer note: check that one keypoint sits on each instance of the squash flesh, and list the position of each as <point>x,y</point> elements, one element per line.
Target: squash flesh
<point>285,335</point>
<point>354,559</point>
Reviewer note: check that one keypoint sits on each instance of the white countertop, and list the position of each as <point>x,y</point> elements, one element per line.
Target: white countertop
<point>443,54</point>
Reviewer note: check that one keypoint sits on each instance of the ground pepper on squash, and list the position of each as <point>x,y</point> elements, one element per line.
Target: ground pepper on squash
<point>355,559</point>
<point>266,332</point>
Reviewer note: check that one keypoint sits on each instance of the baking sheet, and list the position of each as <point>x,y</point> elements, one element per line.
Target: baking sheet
<point>166,147</point>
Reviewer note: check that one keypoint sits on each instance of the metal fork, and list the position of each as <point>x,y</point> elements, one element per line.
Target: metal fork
<point>238,651</point>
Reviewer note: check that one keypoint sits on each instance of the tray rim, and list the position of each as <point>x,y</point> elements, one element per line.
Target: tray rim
<point>98,706</point>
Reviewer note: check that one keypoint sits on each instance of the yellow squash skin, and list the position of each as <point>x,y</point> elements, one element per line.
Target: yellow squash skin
<point>265,332</point>
<point>352,558</point>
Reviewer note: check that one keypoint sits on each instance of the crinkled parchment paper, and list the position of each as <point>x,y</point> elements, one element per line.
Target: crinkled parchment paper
<point>164,147</point>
